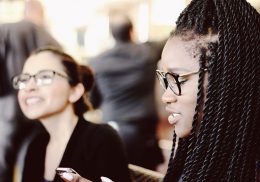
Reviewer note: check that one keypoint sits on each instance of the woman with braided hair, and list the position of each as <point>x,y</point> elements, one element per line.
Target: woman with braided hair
<point>210,73</point>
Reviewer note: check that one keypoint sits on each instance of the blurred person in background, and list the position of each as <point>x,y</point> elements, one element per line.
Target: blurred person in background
<point>53,89</point>
<point>34,12</point>
<point>17,41</point>
<point>125,91</point>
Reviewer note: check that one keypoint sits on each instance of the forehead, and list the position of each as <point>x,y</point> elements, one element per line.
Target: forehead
<point>41,61</point>
<point>180,56</point>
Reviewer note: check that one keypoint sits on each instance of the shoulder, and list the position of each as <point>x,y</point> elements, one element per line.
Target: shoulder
<point>98,60</point>
<point>156,46</point>
<point>106,132</point>
<point>97,130</point>
<point>15,26</point>
<point>99,136</point>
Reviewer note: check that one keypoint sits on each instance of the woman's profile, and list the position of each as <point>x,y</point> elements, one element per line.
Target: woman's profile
<point>210,73</point>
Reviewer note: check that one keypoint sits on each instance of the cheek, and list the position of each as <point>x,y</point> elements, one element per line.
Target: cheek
<point>189,110</point>
<point>189,102</point>
<point>58,95</point>
<point>20,97</point>
<point>184,127</point>
<point>190,92</point>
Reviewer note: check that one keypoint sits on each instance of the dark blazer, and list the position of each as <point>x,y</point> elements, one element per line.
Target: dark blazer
<point>125,81</point>
<point>94,150</point>
<point>125,91</point>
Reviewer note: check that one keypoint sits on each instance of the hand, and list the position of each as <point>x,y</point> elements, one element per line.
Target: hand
<point>70,177</point>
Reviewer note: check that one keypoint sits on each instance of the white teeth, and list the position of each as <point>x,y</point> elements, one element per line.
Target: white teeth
<point>33,100</point>
<point>174,114</point>
<point>173,118</point>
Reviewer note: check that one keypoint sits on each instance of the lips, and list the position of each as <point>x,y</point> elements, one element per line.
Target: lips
<point>32,100</point>
<point>173,118</point>
<point>174,115</point>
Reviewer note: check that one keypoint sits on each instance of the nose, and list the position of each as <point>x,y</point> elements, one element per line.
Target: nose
<point>31,84</point>
<point>168,96</point>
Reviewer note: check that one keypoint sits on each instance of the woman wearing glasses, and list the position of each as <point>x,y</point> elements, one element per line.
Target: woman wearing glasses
<point>53,89</point>
<point>210,73</point>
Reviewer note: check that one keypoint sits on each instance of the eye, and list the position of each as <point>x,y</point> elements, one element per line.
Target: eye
<point>23,78</point>
<point>170,78</point>
<point>183,82</point>
<point>182,79</point>
<point>45,75</point>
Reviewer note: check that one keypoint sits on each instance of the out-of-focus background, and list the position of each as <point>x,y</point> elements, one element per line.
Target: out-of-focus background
<point>82,25</point>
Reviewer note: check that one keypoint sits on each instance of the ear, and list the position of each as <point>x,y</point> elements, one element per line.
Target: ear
<point>76,93</point>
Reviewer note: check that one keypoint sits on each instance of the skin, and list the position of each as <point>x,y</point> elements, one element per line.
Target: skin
<point>69,177</point>
<point>45,101</point>
<point>177,59</point>
<point>52,105</point>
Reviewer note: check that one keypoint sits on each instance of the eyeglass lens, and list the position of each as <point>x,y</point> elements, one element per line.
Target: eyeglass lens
<point>41,78</point>
<point>166,80</point>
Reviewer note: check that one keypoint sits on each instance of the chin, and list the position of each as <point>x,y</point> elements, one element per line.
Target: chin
<point>31,115</point>
<point>33,112</point>
<point>182,133</point>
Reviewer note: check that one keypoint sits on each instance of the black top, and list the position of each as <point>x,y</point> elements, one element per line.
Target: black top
<point>94,150</point>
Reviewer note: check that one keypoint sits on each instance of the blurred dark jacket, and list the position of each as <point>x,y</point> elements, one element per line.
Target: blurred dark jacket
<point>125,81</point>
<point>17,41</point>
<point>125,91</point>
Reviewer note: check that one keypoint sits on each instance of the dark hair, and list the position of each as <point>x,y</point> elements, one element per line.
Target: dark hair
<point>77,74</point>
<point>226,146</point>
<point>120,27</point>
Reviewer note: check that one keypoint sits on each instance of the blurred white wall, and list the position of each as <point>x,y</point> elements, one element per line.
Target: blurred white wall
<point>82,25</point>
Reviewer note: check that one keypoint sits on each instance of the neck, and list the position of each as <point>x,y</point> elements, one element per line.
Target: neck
<point>61,125</point>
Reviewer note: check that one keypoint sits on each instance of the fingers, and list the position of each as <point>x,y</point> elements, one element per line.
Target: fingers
<point>105,179</point>
<point>70,177</point>
<point>67,177</point>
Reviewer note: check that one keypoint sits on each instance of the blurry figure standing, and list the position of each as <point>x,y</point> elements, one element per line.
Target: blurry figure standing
<point>17,41</point>
<point>124,90</point>
<point>34,12</point>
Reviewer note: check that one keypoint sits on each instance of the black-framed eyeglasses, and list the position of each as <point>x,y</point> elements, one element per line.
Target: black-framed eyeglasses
<point>43,77</point>
<point>174,81</point>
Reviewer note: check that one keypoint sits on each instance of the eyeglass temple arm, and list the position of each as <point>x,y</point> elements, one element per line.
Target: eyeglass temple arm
<point>192,73</point>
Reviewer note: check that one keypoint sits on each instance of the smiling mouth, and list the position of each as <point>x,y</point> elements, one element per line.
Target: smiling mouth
<point>173,118</point>
<point>32,101</point>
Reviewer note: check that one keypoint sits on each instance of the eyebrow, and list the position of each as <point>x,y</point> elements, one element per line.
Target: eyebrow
<point>179,70</point>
